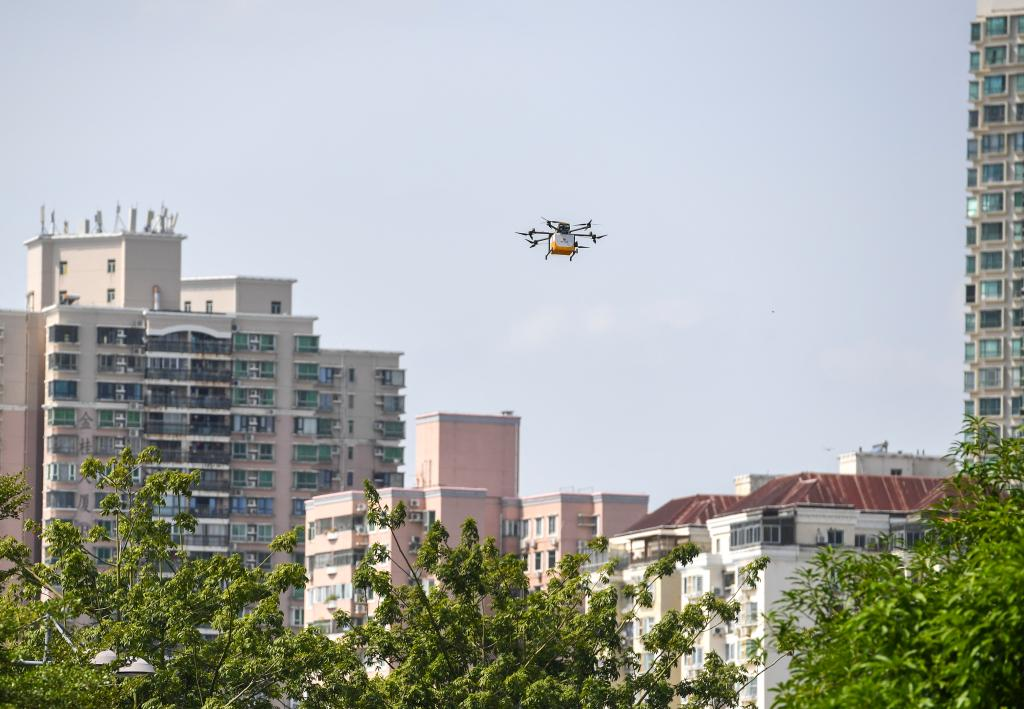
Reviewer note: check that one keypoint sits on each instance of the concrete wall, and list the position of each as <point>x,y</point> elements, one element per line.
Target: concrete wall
<point>464,450</point>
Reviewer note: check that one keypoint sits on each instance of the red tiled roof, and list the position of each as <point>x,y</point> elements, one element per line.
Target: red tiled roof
<point>882,493</point>
<point>695,509</point>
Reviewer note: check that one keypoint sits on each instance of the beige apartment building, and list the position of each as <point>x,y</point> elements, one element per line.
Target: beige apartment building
<point>467,465</point>
<point>117,349</point>
<point>994,309</point>
<point>786,518</point>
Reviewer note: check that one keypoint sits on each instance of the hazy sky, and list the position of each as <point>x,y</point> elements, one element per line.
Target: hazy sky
<point>782,182</point>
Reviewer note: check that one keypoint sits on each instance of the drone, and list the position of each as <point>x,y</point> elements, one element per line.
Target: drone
<point>561,240</point>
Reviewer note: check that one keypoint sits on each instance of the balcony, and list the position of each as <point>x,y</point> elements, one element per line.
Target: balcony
<point>156,344</point>
<point>215,457</point>
<point>180,401</point>
<point>197,374</point>
<point>202,540</point>
<point>209,429</point>
<point>214,480</point>
<point>168,429</point>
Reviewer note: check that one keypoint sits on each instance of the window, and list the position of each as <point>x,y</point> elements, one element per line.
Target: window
<point>1015,405</point>
<point>110,391</point>
<point>305,480</point>
<point>972,177</point>
<point>972,207</point>
<point>972,90</point>
<point>311,453</point>
<point>275,307</point>
<point>969,294</point>
<point>975,31</point>
<point>112,418</point>
<point>111,265</point>
<point>350,453</point>
<point>972,119</point>
<point>306,371</point>
<point>991,260</point>
<point>63,444</point>
<point>252,451</point>
<point>120,335</point>
<point>992,202</point>
<point>1016,141</point>
<point>834,538</point>
<point>209,306</point>
<point>306,399</point>
<point>252,505</point>
<point>62,390</point>
<point>110,295</point>
<point>995,55</point>
<point>307,343</point>
<point>969,352</point>
<point>351,375</point>
<point>251,369</point>
<point>991,290</point>
<point>61,417</point>
<point>995,26</point>
<point>968,381</point>
<point>63,361</point>
<point>63,333</point>
<point>298,617</point>
<point>252,478</point>
<point>993,143</point>
<point>552,523</point>
<point>352,424</point>
<point>975,61</point>
<point>991,349</point>
<point>970,267</point>
<point>969,323</point>
<point>992,231</point>
<point>971,236</point>
<point>991,376</point>
<point>252,532</point>
<point>252,397</point>
<point>188,306</point>
<point>536,560</point>
<point>60,499</point>
<point>990,406</point>
<point>552,562</point>
<point>62,268</point>
<point>392,404</point>
<point>994,113</point>
<point>538,526</point>
<point>252,342</point>
<point>968,408</point>
<point>991,319</point>
<point>992,172</point>
<point>62,472</point>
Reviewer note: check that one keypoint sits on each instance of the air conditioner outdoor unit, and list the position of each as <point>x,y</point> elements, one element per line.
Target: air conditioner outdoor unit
<point>554,542</point>
<point>254,455</point>
<point>359,609</point>
<point>415,516</point>
<point>360,507</point>
<point>717,591</point>
<point>414,502</point>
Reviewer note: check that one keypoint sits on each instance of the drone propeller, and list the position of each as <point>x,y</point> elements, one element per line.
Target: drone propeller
<point>587,225</point>
<point>533,242</point>
<point>595,237</point>
<point>526,234</point>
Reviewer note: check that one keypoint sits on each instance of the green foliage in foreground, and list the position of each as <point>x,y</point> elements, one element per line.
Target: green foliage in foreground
<point>941,625</point>
<point>476,638</point>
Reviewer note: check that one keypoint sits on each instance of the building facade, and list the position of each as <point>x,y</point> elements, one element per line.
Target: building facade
<point>116,349</point>
<point>994,309</point>
<point>467,465</point>
<point>788,519</point>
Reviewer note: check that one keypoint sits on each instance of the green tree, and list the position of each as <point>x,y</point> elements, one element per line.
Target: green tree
<point>476,636</point>
<point>212,628</point>
<point>937,625</point>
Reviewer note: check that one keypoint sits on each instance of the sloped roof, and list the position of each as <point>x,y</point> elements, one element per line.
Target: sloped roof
<point>879,493</point>
<point>695,509</point>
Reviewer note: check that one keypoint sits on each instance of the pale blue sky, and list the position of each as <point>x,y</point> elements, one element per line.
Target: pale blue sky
<point>783,184</point>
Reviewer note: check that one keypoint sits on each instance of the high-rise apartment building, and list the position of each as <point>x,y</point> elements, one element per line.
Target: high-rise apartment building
<point>994,293</point>
<point>117,349</point>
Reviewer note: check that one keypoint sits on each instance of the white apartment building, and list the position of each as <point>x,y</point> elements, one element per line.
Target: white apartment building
<point>788,519</point>
<point>117,349</point>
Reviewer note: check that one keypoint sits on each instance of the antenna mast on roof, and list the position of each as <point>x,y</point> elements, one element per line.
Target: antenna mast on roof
<point>42,219</point>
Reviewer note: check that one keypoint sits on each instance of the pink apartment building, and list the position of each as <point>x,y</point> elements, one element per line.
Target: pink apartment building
<point>467,465</point>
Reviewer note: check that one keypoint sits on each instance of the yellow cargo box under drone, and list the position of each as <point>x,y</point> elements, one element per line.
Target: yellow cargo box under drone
<point>561,240</point>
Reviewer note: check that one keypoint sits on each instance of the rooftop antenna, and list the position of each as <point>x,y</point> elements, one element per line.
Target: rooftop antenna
<point>65,226</point>
<point>42,219</point>
<point>132,220</point>
<point>163,218</point>
<point>117,217</point>
<point>53,221</point>
<point>86,226</point>
<point>99,221</point>
<point>149,220</point>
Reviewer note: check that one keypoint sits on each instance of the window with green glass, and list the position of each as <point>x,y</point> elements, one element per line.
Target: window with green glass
<point>254,370</point>
<point>970,264</point>
<point>307,343</point>
<point>991,290</point>
<point>62,417</point>
<point>992,172</point>
<point>252,397</point>
<point>305,399</point>
<point>254,342</point>
<point>391,454</point>
<point>995,84</point>
<point>1018,200</point>
<point>972,235</point>
<point>306,371</point>
<point>990,319</point>
<point>110,418</point>
<point>972,90</point>
<point>969,352</point>
<point>252,478</point>
<point>989,406</point>
<point>995,55</point>
<point>992,231</point>
<point>969,322</point>
<point>972,177</point>
<point>324,427</point>
<point>968,381</point>
<point>305,480</point>
<point>1015,347</point>
<point>968,408</point>
<point>990,349</point>
<point>972,207</point>
<point>991,260</point>
<point>992,202</point>
<point>975,62</point>
<point>976,31</point>
<point>996,26</point>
